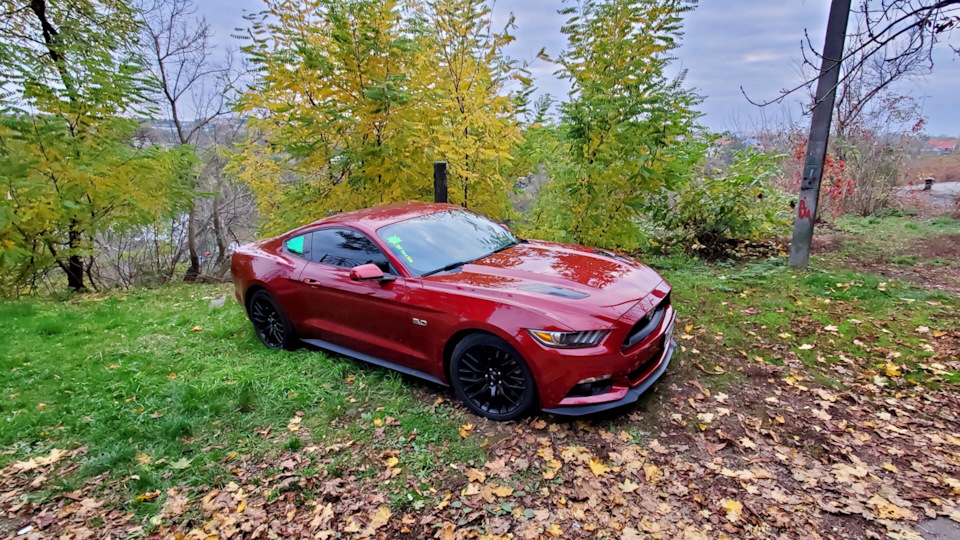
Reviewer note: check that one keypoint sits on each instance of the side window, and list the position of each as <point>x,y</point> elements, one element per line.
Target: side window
<point>347,248</point>
<point>300,245</point>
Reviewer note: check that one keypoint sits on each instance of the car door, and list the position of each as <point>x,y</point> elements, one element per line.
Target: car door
<point>370,317</point>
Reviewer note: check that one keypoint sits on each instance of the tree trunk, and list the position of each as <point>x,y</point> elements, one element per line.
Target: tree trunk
<point>75,263</point>
<point>193,272</point>
<point>222,244</point>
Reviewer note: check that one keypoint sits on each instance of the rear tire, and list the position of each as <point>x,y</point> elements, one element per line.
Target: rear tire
<point>270,323</point>
<point>491,378</point>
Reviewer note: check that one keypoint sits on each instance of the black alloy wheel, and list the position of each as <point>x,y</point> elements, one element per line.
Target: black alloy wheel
<point>271,324</point>
<point>491,378</point>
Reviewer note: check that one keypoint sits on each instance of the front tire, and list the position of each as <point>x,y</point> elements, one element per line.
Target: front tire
<point>270,323</point>
<point>491,378</point>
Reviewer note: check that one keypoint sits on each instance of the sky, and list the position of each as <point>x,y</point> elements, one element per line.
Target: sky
<point>727,45</point>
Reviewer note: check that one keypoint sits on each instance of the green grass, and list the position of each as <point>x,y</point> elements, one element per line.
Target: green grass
<point>892,234</point>
<point>158,373</point>
<point>162,389</point>
<point>738,313</point>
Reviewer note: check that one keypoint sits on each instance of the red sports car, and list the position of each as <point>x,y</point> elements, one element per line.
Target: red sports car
<point>436,291</point>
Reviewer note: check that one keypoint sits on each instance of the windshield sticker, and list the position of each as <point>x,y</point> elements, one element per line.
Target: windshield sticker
<point>394,242</point>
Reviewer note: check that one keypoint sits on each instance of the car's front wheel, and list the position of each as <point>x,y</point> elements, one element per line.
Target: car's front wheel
<point>270,322</point>
<point>491,378</point>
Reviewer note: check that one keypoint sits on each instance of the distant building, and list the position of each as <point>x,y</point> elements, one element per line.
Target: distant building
<point>942,146</point>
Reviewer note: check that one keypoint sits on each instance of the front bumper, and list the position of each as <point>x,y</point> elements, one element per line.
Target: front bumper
<point>629,394</point>
<point>631,370</point>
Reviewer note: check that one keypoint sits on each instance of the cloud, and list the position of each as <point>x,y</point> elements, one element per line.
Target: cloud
<point>750,58</point>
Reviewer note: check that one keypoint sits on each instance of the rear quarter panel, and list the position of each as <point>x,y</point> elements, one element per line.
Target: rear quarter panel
<point>263,264</point>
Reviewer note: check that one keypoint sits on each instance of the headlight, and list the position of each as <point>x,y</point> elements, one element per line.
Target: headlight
<point>569,340</point>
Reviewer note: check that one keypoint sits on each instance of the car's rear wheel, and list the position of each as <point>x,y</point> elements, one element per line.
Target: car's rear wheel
<point>491,378</point>
<point>270,322</point>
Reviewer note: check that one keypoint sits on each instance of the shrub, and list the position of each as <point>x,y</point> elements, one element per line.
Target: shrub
<point>722,204</point>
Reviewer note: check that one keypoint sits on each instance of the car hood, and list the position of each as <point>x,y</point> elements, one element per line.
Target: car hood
<point>573,284</point>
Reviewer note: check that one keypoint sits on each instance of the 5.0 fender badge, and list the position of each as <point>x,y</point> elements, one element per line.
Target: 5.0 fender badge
<point>419,322</point>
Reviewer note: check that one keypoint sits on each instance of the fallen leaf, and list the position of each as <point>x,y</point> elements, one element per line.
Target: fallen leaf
<point>148,496</point>
<point>733,508</point>
<point>893,370</point>
<point>175,504</point>
<point>598,468</point>
<point>552,467</point>
<point>629,486</point>
<point>476,475</point>
<point>443,503</point>
<point>380,518</point>
<point>652,473</point>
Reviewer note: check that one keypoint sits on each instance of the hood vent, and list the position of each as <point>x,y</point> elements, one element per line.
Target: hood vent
<point>554,291</point>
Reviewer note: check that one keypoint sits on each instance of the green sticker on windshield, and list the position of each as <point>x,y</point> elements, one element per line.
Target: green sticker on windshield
<point>395,242</point>
<point>295,245</point>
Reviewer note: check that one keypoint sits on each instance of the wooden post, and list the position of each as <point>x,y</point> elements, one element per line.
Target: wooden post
<point>440,182</point>
<point>819,133</point>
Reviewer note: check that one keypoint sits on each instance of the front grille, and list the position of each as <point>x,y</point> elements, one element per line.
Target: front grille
<point>646,326</point>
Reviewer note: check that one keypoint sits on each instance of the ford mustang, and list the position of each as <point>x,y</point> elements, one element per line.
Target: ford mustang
<point>439,292</point>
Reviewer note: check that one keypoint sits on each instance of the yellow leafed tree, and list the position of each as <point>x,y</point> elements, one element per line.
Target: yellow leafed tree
<point>355,100</point>
<point>472,117</point>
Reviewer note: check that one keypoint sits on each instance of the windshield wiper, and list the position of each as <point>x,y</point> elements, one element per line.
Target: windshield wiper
<point>446,268</point>
<point>451,266</point>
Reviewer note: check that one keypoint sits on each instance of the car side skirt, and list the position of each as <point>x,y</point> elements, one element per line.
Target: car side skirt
<point>326,345</point>
<point>633,394</point>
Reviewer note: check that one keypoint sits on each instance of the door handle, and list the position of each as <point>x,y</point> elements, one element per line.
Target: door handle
<point>310,281</point>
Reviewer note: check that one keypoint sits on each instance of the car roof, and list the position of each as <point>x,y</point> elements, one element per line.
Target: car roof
<point>380,216</point>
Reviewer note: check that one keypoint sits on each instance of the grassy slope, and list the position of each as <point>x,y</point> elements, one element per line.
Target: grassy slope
<point>163,390</point>
<point>160,373</point>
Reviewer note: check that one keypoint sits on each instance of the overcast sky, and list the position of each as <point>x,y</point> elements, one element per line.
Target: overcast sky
<point>728,44</point>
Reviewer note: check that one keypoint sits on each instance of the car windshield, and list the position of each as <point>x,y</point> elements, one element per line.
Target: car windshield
<point>444,241</point>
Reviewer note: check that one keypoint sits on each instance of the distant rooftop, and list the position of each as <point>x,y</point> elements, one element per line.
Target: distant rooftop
<point>942,144</point>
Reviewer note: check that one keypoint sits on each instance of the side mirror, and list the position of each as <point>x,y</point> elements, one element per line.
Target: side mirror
<point>506,227</point>
<point>368,272</point>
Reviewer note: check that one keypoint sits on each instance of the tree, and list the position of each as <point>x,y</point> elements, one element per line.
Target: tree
<point>625,122</point>
<point>897,37</point>
<point>892,39</point>
<point>71,171</point>
<point>334,123</point>
<point>193,90</point>
<point>355,100</point>
<point>470,117</point>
